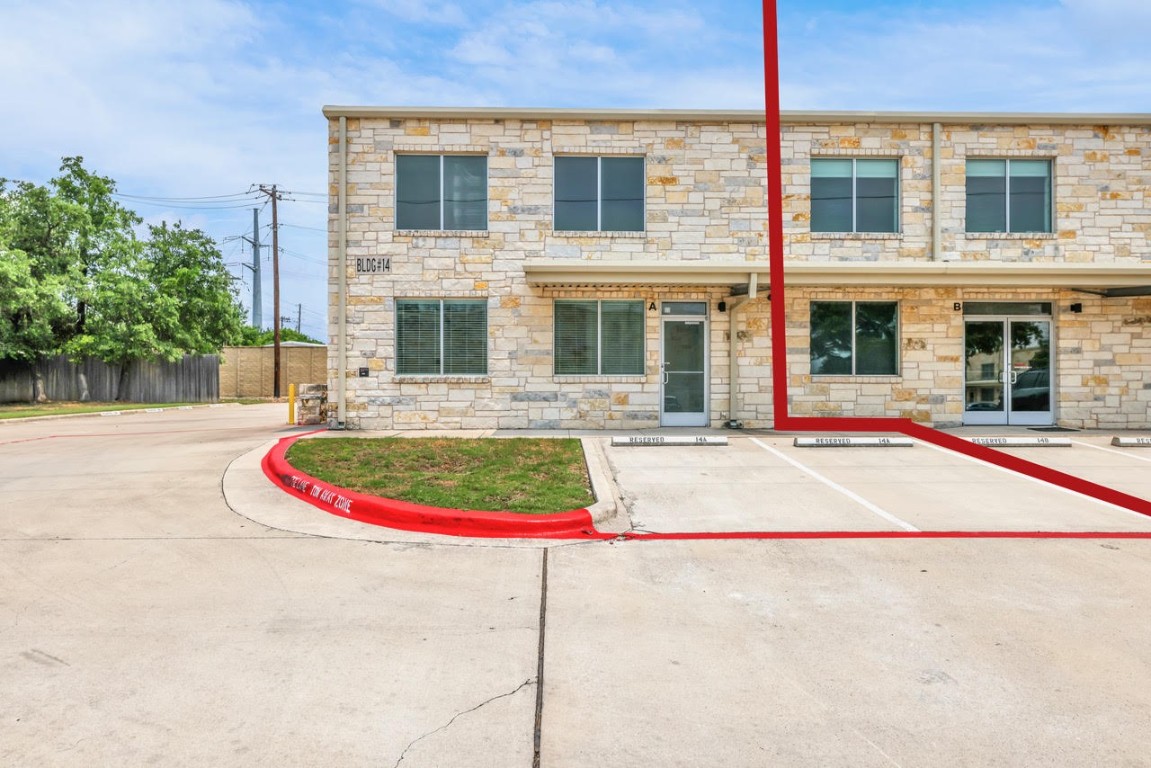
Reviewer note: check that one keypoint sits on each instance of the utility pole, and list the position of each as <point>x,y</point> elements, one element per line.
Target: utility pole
<point>299,315</point>
<point>274,196</point>
<point>257,290</point>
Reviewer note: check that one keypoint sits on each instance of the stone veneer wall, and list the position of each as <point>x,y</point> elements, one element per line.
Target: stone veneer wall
<point>705,202</point>
<point>1103,363</point>
<point>1102,358</point>
<point>1102,182</point>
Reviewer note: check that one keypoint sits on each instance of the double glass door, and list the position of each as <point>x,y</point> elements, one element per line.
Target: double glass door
<point>1007,372</point>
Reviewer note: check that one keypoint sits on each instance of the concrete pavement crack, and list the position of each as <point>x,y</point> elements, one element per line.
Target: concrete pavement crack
<point>537,732</point>
<point>458,715</point>
<point>626,498</point>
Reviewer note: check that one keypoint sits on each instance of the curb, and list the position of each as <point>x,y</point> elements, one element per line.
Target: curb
<point>113,412</point>
<point>391,513</point>
<point>607,501</point>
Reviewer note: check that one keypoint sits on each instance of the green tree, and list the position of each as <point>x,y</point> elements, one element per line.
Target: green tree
<point>28,308</point>
<point>84,284</point>
<point>251,336</point>
<point>34,241</point>
<point>194,305</point>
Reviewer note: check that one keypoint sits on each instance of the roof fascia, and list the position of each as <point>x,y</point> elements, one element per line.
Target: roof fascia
<point>736,116</point>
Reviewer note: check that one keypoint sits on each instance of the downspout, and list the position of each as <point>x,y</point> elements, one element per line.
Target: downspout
<point>733,364</point>
<point>936,206</point>
<point>342,280</point>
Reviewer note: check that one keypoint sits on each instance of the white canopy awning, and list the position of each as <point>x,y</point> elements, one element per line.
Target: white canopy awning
<point>593,272</point>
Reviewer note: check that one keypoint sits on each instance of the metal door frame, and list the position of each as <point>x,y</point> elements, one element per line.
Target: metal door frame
<point>1008,417</point>
<point>691,419</point>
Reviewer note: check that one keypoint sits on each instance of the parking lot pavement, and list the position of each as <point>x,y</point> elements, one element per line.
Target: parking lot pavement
<point>767,484</point>
<point>738,487</point>
<point>849,653</point>
<point>1094,458</point>
<point>143,622</point>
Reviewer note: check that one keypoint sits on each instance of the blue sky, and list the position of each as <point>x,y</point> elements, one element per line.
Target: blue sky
<point>204,99</point>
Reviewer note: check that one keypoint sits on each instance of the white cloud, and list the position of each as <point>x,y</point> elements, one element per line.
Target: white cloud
<point>1001,57</point>
<point>592,53</point>
<point>422,11</point>
<point>207,97</point>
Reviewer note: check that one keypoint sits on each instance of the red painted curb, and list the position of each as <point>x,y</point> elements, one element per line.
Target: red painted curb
<point>576,524</point>
<point>390,513</point>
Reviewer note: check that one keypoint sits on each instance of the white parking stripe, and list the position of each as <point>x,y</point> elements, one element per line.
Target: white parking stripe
<point>837,487</point>
<point>1112,450</point>
<point>1036,480</point>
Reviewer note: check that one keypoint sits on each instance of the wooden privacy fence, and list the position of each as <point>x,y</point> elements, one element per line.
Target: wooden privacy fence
<point>194,379</point>
<point>248,371</point>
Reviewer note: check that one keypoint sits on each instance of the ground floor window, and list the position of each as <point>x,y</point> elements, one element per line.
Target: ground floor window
<point>441,337</point>
<point>599,337</point>
<point>854,338</point>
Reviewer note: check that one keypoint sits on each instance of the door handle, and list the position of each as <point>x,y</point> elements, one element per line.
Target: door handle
<point>665,376</point>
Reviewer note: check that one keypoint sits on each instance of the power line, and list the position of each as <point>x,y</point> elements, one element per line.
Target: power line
<point>245,195</point>
<point>225,202</point>
<point>303,257</point>
<point>314,202</point>
<point>195,207</point>
<point>300,226</point>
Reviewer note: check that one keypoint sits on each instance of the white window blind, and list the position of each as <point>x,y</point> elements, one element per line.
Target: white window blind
<point>441,337</point>
<point>595,337</point>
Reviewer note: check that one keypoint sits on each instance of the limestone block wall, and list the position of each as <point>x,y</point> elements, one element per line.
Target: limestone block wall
<point>909,143</point>
<point>1102,177</point>
<point>1102,180</point>
<point>705,202</point>
<point>1104,364</point>
<point>929,387</point>
<point>1101,358</point>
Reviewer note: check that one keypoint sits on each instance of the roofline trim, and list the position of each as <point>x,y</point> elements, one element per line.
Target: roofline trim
<point>736,116</point>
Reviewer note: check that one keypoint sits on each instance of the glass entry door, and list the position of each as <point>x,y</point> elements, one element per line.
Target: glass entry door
<point>683,392</point>
<point>1007,374</point>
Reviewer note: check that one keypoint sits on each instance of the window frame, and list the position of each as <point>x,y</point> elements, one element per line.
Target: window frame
<point>1049,213</point>
<point>897,203</point>
<point>556,159</point>
<point>442,202</point>
<point>599,338</point>
<point>440,336</point>
<point>898,360</point>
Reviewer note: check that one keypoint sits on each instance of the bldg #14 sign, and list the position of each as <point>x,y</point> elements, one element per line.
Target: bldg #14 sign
<point>373,265</point>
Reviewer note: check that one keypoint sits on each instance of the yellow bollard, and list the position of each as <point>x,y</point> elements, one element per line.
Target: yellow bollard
<point>291,403</point>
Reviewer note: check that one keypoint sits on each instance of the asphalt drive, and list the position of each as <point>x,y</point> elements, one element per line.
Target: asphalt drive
<point>147,619</point>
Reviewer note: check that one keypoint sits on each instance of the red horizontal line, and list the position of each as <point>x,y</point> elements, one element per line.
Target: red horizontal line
<point>719,536</point>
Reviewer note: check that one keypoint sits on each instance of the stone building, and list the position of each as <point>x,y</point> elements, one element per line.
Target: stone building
<point>553,268</point>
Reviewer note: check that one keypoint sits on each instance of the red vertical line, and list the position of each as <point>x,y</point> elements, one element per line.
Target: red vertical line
<point>774,137</point>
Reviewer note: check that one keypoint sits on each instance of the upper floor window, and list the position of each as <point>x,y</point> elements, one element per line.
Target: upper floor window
<point>603,194</point>
<point>854,195</point>
<point>441,192</point>
<point>854,338</point>
<point>1008,195</point>
<point>441,337</point>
